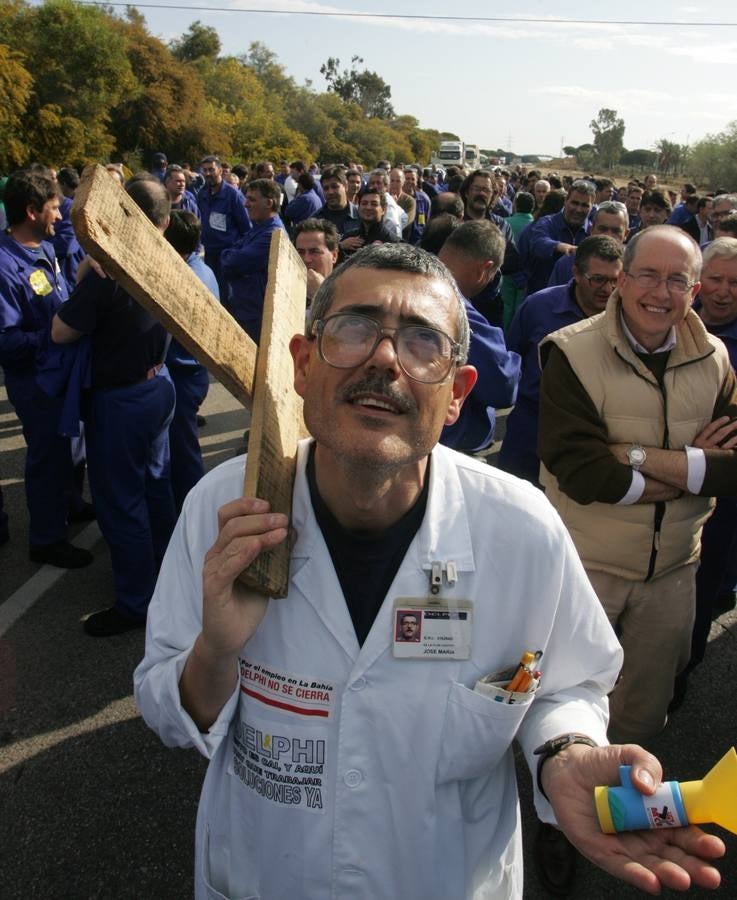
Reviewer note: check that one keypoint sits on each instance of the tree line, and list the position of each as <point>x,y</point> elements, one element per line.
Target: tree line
<point>81,83</point>
<point>711,162</point>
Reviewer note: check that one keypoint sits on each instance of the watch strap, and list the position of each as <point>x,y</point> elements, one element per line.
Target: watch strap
<point>555,746</point>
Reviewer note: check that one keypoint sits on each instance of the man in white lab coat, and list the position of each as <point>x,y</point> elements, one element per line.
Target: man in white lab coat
<point>339,752</point>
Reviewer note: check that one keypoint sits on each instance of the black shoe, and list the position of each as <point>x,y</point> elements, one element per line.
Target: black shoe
<point>201,421</point>
<point>85,513</point>
<point>555,860</point>
<point>61,554</point>
<point>107,622</point>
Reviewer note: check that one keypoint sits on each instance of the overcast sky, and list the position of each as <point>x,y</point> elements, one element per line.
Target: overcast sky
<point>537,83</point>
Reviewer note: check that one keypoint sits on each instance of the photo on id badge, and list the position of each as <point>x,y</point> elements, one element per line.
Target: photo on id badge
<point>408,625</point>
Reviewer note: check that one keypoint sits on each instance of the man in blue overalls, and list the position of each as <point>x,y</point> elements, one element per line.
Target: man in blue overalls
<point>127,422</point>
<point>32,289</point>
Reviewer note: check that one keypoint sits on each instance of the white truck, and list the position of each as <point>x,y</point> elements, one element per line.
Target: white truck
<point>472,157</point>
<point>449,154</point>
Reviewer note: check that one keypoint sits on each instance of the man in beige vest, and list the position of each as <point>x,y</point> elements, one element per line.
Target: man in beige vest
<point>637,426</point>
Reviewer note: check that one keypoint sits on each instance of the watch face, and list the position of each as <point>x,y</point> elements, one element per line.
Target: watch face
<point>636,456</point>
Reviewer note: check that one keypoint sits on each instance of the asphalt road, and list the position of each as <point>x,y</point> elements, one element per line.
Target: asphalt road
<point>93,806</point>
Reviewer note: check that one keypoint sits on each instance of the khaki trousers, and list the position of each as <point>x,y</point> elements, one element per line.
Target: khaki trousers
<point>653,621</point>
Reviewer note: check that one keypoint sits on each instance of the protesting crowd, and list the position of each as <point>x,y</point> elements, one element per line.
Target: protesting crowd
<point>367,719</point>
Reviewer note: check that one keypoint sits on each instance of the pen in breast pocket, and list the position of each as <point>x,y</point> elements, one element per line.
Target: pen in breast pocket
<point>525,674</point>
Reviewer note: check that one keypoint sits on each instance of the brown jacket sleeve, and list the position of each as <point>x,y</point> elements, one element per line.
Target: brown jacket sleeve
<point>573,442</point>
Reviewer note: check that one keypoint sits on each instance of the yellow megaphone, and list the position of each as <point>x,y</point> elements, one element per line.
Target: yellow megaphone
<point>674,804</point>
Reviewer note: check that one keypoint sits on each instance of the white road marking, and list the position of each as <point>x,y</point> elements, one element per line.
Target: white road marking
<point>27,594</point>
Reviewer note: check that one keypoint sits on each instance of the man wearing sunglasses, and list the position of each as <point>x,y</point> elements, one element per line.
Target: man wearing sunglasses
<point>638,418</point>
<point>338,751</point>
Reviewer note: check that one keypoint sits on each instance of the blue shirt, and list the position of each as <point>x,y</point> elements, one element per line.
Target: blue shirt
<point>176,354</point>
<point>422,215</point>
<point>727,333</point>
<point>539,315</point>
<point>245,268</point>
<point>67,247</point>
<point>537,247</point>
<point>562,271</point>
<point>224,216</point>
<point>680,215</point>
<point>188,203</point>
<point>496,388</point>
<point>302,207</point>
<point>32,288</point>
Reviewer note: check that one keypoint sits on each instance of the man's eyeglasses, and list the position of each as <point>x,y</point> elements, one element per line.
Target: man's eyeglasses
<point>649,281</point>
<point>598,281</point>
<point>424,353</point>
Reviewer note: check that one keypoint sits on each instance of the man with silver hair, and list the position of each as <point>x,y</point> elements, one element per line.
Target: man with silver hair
<point>638,412</point>
<point>338,751</point>
<point>723,205</point>
<point>543,242</point>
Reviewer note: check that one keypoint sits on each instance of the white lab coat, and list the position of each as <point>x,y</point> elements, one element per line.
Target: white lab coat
<point>417,792</point>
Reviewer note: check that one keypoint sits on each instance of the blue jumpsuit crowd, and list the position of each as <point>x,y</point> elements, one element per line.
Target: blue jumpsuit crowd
<point>138,392</point>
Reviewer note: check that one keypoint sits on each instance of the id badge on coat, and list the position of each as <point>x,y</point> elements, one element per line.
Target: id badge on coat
<point>218,221</point>
<point>40,283</point>
<point>429,628</point>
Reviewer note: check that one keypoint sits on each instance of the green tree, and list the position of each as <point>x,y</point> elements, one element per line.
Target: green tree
<point>713,160</point>
<point>365,88</point>
<point>197,42</point>
<point>269,71</point>
<point>67,116</point>
<point>639,158</point>
<point>167,110</point>
<point>608,131</point>
<point>15,88</point>
<point>671,156</point>
<point>586,156</point>
<point>569,151</point>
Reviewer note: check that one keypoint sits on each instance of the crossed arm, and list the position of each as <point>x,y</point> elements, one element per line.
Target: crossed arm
<point>574,444</point>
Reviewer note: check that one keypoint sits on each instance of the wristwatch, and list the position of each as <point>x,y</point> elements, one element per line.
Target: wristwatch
<point>636,456</point>
<point>555,746</point>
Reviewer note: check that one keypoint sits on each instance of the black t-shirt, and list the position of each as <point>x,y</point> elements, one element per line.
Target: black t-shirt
<point>365,562</point>
<point>126,340</point>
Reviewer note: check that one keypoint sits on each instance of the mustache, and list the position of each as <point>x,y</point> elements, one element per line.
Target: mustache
<point>380,387</point>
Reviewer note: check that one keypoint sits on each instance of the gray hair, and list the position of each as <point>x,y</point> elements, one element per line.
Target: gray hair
<point>614,207</point>
<point>582,186</point>
<point>384,175</point>
<point>721,248</point>
<point>630,248</point>
<point>727,198</point>
<point>479,239</point>
<point>398,258</point>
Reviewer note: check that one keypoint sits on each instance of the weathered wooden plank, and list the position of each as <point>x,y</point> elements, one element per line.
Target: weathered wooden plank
<point>276,415</point>
<point>111,228</point>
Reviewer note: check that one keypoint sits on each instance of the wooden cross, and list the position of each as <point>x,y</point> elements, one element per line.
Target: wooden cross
<point>113,230</point>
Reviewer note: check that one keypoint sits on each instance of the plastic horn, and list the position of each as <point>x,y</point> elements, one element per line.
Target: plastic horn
<point>674,803</point>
